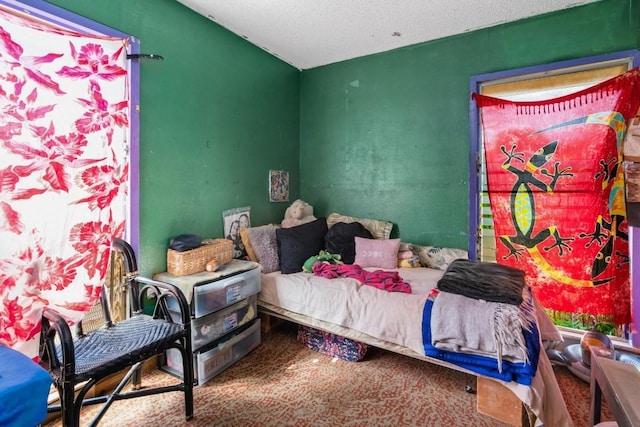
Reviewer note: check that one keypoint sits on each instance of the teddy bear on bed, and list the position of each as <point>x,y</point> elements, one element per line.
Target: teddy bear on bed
<point>300,212</point>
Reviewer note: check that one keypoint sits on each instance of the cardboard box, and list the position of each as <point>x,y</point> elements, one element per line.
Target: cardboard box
<point>497,401</point>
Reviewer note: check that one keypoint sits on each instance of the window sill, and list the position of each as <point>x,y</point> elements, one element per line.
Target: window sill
<point>621,345</point>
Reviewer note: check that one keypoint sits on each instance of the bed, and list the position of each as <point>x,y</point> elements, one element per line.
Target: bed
<point>339,301</point>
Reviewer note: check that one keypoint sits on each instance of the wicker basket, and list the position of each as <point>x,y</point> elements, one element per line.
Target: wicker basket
<point>195,260</point>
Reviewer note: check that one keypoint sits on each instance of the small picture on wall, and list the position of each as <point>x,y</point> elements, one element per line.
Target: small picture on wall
<point>233,221</point>
<point>278,186</point>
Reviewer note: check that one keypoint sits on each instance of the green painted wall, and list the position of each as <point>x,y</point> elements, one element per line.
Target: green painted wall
<point>384,136</point>
<point>387,136</point>
<point>215,116</point>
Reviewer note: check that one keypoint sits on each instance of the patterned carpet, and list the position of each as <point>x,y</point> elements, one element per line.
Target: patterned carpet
<point>283,383</point>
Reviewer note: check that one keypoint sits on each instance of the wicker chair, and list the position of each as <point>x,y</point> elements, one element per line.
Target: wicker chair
<point>81,361</point>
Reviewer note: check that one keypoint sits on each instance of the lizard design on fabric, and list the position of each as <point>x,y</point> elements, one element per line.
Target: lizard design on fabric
<point>523,203</point>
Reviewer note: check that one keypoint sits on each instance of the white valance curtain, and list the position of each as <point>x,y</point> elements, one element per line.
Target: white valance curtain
<point>63,171</point>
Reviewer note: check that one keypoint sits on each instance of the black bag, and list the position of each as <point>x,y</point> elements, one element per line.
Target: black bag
<point>340,239</point>
<point>185,242</point>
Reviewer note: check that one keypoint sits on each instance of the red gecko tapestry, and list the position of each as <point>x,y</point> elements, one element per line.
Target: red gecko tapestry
<point>556,188</point>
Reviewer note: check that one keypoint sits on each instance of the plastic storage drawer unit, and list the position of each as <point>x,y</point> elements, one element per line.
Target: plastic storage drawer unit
<point>211,360</point>
<point>214,295</point>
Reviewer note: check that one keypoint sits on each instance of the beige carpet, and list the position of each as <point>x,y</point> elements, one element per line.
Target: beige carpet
<point>283,383</point>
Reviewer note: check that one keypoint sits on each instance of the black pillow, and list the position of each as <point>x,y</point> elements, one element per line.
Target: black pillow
<point>340,239</point>
<point>297,244</point>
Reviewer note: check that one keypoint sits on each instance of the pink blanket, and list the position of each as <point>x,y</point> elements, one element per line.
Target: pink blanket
<point>386,280</point>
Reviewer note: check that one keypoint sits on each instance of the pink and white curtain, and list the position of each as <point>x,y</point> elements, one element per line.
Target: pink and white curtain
<point>64,119</point>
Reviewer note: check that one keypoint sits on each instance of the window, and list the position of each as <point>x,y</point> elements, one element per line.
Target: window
<point>57,17</point>
<point>530,84</point>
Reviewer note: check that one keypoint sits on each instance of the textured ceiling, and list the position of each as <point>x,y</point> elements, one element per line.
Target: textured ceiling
<point>311,33</point>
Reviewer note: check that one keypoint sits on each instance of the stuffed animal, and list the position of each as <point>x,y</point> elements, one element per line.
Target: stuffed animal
<point>411,262</point>
<point>299,212</point>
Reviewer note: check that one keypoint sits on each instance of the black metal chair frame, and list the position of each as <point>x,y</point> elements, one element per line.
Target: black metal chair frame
<point>89,357</point>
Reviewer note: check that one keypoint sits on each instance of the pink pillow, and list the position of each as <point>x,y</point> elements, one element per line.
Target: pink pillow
<point>378,253</point>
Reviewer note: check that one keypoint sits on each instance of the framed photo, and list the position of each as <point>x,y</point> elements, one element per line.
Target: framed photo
<point>233,221</point>
<point>278,186</point>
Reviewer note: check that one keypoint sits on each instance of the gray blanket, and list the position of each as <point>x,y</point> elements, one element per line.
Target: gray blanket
<point>474,326</point>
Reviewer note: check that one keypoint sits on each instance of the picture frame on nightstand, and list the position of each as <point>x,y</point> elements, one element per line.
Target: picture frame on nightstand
<point>233,221</point>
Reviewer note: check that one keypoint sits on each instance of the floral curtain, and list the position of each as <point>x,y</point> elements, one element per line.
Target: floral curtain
<point>63,171</point>
<point>557,193</point>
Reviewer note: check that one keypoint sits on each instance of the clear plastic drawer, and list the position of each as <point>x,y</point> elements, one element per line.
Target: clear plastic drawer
<point>208,296</point>
<point>209,328</point>
<point>210,361</point>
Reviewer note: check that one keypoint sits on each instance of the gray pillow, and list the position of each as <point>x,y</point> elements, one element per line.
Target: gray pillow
<point>265,246</point>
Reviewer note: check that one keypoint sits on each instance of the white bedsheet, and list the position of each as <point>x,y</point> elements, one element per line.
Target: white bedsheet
<point>396,318</point>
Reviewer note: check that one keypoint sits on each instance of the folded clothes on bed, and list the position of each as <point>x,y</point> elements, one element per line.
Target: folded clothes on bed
<point>478,327</point>
<point>483,280</point>
<point>470,347</point>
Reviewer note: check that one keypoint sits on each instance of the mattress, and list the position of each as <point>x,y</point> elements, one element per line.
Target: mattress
<point>393,321</point>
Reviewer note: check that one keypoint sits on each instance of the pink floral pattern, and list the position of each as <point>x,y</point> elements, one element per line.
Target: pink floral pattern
<point>64,118</point>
